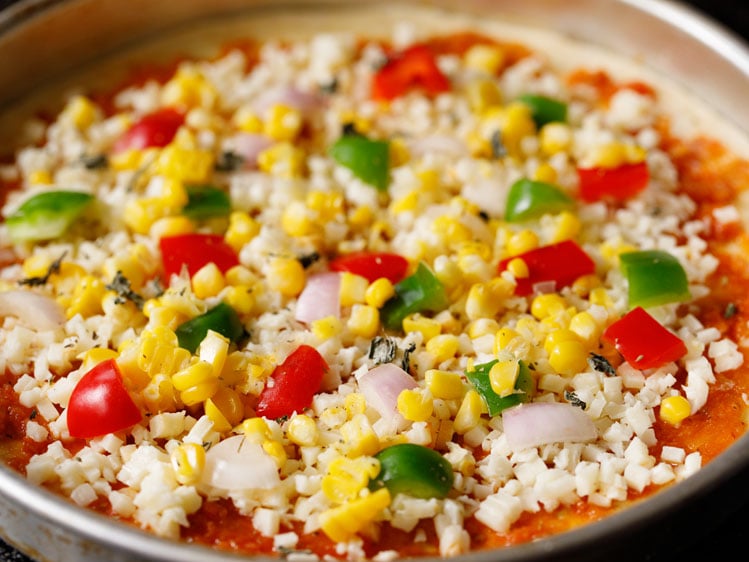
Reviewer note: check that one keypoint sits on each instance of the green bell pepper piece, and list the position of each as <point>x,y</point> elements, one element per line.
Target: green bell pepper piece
<point>414,470</point>
<point>524,385</point>
<point>206,201</point>
<point>222,318</point>
<point>369,160</point>
<point>528,199</point>
<point>419,292</point>
<point>46,215</point>
<point>545,109</point>
<point>654,277</point>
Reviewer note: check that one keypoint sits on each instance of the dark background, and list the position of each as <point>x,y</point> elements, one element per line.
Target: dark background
<point>721,532</point>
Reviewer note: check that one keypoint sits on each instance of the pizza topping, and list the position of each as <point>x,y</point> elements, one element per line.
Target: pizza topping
<point>414,68</point>
<point>155,129</point>
<point>530,199</point>
<point>47,215</point>
<point>413,470</point>
<point>654,277</point>
<point>419,292</point>
<point>368,160</point>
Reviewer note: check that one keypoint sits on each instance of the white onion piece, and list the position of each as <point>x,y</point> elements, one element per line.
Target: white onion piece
<point>489,195</point>
<point>382,385</point>
<point>239,464</point>
<point>249,146</point>
<point>540,423</point>
<point>288,96</point>
<point>442,145</point>
<point>319,298</point>
<point>544,287</point>
<point>32,309</point>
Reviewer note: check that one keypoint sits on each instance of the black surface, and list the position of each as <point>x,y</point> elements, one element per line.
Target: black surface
<point>723,519</point>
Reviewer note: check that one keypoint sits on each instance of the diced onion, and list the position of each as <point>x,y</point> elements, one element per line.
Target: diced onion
<point>540,423</point>
<point>36,311</point>
<point>249,146</point>
<point>381,387</point>
<point>320,298</point>
<point>443,145</point>
<point>288,96</point>
<point>238,464</point>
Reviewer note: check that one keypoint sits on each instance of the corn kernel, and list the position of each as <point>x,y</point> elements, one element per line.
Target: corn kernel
<point>188,461</point>
<point>482,327</point>
<point>239,276</point>
<point>345,521</point>
<point>283,160</point>
<point>96,355</point>
<point>213,350</point>
<point>275,449</point>
<point>600,296</point>
<point>40,177</point>
<point>247,120</point>
<point>469,412</point>
<point>359,437</point>
<point>484,58</point>
<point>327,205</point>
<point>87,297</point>
<point>173,193</point>
<point>555,137</point>
<point>171,226</point>
<point>428,327</point>
<point>214,413</point>
<point>287,276</point>
<point>518,124</point>
<point>379,292</point>
<point>585,284</point>
<point>229,403</point>
<point>586,327</point>
<point>296,220</point>
<point>568,357</point>
<point>399,153</point>
<point>443,347</point>
<point>188,88</point>
<point>194,375</point>
<point>159,352</point>
<point>208,281</point>
<point>504,338</point>
<point>549,304</point>
<point>567,227</point>
<point>241,298</point>
<point>130,159</point>
<point>80,111</point>
<point>675,409</point>
<point>444,384</point>
<point>353,288</point>
<point>159,394</point>
<point>545,173</point>
<point>256,430</point>
<point>361,217</point>
<point>502,376</point>
<point>451,230</point>
<point>522,242</point>
<point>346,478</point>
<point>140,214</point>
<point>283,123</point>
<point>415,405</point>
<point>242,229</point>
<point>518,267</point>
<point>408,202</point>
<point>364,320</point>
<point>185,164</point>
<point>302,430</point>
<point>483,94</point>
<point>327,327</point>
<point>481,302</point>
<point>354,404</point>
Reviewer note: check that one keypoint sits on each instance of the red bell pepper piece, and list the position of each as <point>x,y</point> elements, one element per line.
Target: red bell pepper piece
<point>616,184</point>
<point>194,251</point>
<point>562,263</point>
<point>156,129</point>
<point>100,404</point>
<point>372,265</point>
<point>643,341</point>
<point>293,384</point>
<point>416,67</point>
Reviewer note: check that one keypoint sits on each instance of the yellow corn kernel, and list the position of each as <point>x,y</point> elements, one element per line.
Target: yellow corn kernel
<point>361,217</point>
<point>615,154</point>
<point>484,58</point>
<point>444,384</point>
<point>283,123</point>
<point>283,160</point>
<point>600,296</point>
<point>353,289</point>
<point>208,281</point>
<point>521,242</point>
<point>545,173</point>
<point>159,394</point>
<point>359,437</point>
<point>188,461</point>
<point>196,374</point>
<point>483,94</point>
<point>214,350</point>
<point>399,153</point>
<point>452,230</point>
<point>287,276</point>
<point>518,268</point>
<point>256,430</point>
<point>229,403</point>
<point>567,227</point>
<point>518,124</point>
<point>242,229</point>
<point>346,478</point>
<point>503,374</point>
<point>140,214</point>
<point>40,177</point>
<point>443,347</point>
<point>96,355</point>
<point>415,405</point>
<point>557,336</point>
<point>345,521</point>
<point>481,302</point>
<point>159,352</point>
<point>482,327</point>
<point>555,137</point>
<point>586,327</point>
<point>185,164</point>
<point>188,88</point>
<point>549,304</point>
<point>296,220</point>
<point>364,320</point>
<point>428,327</point>
<point>355,404</point>
<point>80,112</point>
<point>568,357</point>
<point>585,284</point>
<point>611,250</point>
<point>276,450</point>
<point>239,275</point>
<point>171,226</point>
<point>469,412</point>
<point>241,298</point>
<point>214,413</point>
<point>302,430</point>
<point>409,202</point>
<point>173,193</point>
<point>379,292</point>
<point>326,328</point>
<point>448,272</point>
<point>87,297</point>
<point>247,120</point>
<point>236,369</point>
<point>327,205</point>
<point>675,409</point>
<point>504,338</point>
